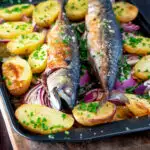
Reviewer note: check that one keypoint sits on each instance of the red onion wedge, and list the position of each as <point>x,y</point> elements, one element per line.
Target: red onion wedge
<point>84,79</point>
<point>130,27</point>
<point>94,95</point>
<point>4,40</point>
<point>132,59</point>
<point>122,86</point>
<point>2,20</point>
<point>25,18</point>
<point>37,95</point>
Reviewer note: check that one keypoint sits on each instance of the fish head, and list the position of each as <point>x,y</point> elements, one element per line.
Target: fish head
<point>60,87</point>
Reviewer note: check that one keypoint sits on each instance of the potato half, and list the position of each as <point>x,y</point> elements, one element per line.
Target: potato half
<point>76,9</point>
<point>46,13</point>
<point>26,43</point>
<point>17,74</point>
<point>16,12</point>
<point>125,12</point>
<point>141,69</point>
<point>38,59</point>
<point>90,114</point>
<point>10,30</point>
<point>122,113</point>
<point>138,106</point>
<point>137,45</point>
<point>43,120</point>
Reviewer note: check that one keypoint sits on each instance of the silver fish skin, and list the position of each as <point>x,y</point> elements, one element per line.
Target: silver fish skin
<point>62,81</point>
<point>104,42</point>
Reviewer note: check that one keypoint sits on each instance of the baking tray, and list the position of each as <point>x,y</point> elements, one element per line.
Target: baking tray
<point>76,134</point>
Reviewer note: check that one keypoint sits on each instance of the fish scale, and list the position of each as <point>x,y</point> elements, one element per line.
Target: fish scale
<point>103,37</point>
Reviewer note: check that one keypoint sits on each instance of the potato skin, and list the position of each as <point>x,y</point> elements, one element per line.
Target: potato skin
<point>46,13</point>
<point>141,69</point>
<point>138,106</point>
<point>16,12</point>
<point>54,120</point>
<point>17,74</point>
<point>25,44</point>
<point>38,63</point>
<point>122,113</point>
<point>137,45</point>
<point>104,114</point>
<point>76,10</point>
<point>10,30</point>
<point>125,12</point>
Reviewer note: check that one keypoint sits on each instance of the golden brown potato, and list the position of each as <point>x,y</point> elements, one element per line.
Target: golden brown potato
<point>10,30</point>
<point>137,45</point>
<point>46,13</point>
<point>43,120</point>
<point>38,59</point>
<point>17,74</point>
<point>125,12</point>
<point>122,113</point>
<point>16,12</point>
<point>90,114</point>
<point>76,10</point>
<point>26,43</point>
<point>141,69</point>
<point>138,106</point>
<point>3,50</point>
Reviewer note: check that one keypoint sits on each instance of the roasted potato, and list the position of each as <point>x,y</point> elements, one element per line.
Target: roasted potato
<point>125,12</point>
<point>17,75</point>
<point>43,120</point>
<point>137,45</point>
<point>138,106</point>
<point>26,43</point>
<point>46,13</point>
<point>10,30</point>
<point>122,113</point>
<point>90,114</point>
<point>38,59</point>
<point>76,10</point>
<point>141,69</point>
<point>16,12</point>
<point>3,50</point>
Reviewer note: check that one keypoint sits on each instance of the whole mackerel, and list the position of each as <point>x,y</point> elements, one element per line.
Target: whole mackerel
<point>63,66</point>
<point>104,42</point>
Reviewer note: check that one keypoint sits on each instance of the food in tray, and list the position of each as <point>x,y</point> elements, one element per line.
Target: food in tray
<point>10,30</point>
<point>125,12</point>
<point>76,9</point>
<point>25,43</point>
<point>94,113</point>
<point>38,59</point>
<point>43,120</point>
<point>137,45</point>
<point>66,73</point>
<point>45,13</point>
<point>17,75</point>
<point>16,12</point>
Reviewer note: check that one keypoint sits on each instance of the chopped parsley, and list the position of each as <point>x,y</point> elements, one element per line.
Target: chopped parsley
<point>64,116</point>
<point>133,41</point>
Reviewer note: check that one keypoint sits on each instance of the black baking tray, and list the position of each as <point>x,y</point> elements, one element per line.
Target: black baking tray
<point>76,134</point>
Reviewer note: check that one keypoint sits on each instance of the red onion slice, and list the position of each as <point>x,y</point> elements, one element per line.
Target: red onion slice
<point>4,40</point>
<point>140,90</point>
<point>25,18</point>
<point>130,27</point>
<point>84,79</point>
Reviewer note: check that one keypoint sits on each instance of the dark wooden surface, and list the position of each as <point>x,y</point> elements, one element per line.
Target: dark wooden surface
<point>138,141</point>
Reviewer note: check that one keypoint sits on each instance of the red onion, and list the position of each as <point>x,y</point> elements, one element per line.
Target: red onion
<point>85,79</point>
<point>4,40</point>
<point>122,86</point>
<point>37,95</point>
<point>94,95</point>
<point>130,27</point>
<point>2,20</point>
<point>140,89</point>
<point>132,59</point>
